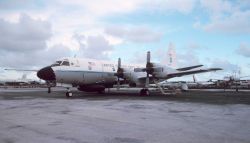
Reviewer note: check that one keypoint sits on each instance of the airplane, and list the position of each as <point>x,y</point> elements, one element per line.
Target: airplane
<point>229,81</point>
<point>185,85</point>
<point>92,75</point>
<point>19,82</point>
<point>200,84</point>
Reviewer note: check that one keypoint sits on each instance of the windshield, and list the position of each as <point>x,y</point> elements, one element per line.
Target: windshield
<point>57,63</point>
<point>61,63</point>
<point>65,63</point>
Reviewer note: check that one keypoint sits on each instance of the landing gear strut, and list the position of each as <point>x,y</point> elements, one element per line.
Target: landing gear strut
<point>68,93</point>
<point>144,92</point>
<point>49,89</point>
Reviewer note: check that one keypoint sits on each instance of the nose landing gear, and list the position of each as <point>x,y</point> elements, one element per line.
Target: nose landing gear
<point>49,89</point>
<point>69,93</point>
<point>144,92</point>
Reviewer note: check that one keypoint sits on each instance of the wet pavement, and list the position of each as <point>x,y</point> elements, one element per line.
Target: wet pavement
<point>35,116</point>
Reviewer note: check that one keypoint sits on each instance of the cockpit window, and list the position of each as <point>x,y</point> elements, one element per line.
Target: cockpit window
<point>57,63</point>
<point>61,63</point>
<point>65,63</point>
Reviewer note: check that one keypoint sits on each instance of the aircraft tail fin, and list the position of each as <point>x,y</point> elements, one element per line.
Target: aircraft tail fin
<point>194,78</point>
<point>171,61</point>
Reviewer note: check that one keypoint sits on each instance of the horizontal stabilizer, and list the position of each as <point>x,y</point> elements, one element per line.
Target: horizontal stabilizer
<point>21,70</point>
<point>189,68</point>
<point>182,73</point>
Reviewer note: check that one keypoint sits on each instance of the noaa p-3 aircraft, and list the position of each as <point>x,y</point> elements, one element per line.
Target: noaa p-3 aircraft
<point>92,75</point>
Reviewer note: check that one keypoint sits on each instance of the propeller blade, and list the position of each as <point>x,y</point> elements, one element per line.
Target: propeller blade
<point>119,62</point>
<point>148,57</point>
<point>119,73</point>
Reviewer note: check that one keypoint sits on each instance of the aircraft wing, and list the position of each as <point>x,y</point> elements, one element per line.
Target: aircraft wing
<point>182,73</point>
<point>188,68</point>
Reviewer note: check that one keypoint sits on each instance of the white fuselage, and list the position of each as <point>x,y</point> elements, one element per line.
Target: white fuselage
<point>88,71</point>
<point>92,75</point>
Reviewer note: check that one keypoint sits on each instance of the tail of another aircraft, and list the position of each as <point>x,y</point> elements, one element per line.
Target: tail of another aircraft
<point>194,78</point>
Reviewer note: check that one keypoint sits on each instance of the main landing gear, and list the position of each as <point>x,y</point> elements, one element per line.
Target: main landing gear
<point>144,92</point>
<point>69,93</point>
<point>49,89</point>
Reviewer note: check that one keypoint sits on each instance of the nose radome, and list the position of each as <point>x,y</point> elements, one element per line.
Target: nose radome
<point>46,73</point>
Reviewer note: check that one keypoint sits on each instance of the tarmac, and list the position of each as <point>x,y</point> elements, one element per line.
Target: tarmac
<point>33,115</point>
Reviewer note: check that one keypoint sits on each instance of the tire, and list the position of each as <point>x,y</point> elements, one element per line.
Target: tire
<point>101,91</point>
<point>69,94</point>
<point>144,92</point>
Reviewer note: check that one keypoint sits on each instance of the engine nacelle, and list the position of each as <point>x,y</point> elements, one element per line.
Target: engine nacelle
<point>92,88</point>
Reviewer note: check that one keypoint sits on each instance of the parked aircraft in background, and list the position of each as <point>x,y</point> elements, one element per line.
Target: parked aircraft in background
<point>91,75</point>
<point>229,81</point>
<point>19,82</point>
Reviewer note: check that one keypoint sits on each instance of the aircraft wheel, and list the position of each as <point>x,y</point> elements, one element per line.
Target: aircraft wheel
<point>144,92</point>
<point>101,91</point>
<point>69,94</point>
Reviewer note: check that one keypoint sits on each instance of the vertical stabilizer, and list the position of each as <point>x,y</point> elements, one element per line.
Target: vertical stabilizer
<point>171,55</point>
<point>194,78</point>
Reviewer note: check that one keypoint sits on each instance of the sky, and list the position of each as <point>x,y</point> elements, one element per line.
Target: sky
<point>215,33</point>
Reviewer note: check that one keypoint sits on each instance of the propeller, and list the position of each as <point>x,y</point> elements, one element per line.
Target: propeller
<point>149,69</point>
<point>119,73</point>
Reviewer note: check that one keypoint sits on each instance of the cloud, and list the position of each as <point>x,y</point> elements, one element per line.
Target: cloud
<point>243,50</point>
<point>187,59</point>
<point>25,36</point>
<point>225,17</point>
<point>216,7</point>
<point>237,23</point>
<point>180,6</point>
<point>23,44</point>
<point>102,8</point>
<point>225,65</point>
<point>134,34</point>
<point>140,58</point>
<point>95,47</point>
<point>35,59</point>
<point>53,53</point>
